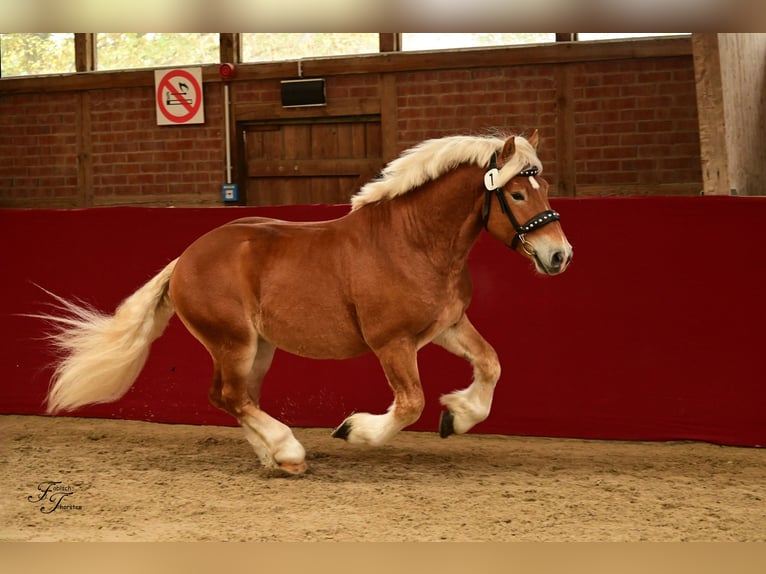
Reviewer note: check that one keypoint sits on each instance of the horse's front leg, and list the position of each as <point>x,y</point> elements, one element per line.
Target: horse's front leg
<point>399,362</point>
<point>469,406</point>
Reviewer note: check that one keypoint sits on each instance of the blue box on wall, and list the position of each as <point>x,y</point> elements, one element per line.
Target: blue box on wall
<point>229,192</point>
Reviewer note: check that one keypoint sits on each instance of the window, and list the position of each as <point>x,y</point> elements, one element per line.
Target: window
<point>436,41</point>
<point>265,47</point>
<point>585,36</point>
<point>28,54</point>
<point>123,51</point>
<point>54,53</point>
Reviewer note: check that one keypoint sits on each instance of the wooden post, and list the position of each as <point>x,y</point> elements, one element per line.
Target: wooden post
<point>388,117</point>
<point>230,48</point>
<point>743,78</point>
<point>712,125</point>
<point>566,174</point>
<point>84,52</point>
<point>390,42</point>
<point>730,70</point>
<point>84,152</point>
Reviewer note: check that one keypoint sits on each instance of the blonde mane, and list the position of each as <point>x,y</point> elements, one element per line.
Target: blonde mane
<point>433,158</point>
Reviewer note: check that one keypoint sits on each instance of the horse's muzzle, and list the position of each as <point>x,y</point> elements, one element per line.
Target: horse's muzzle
<point>558,261</point>
<point>551,262</point>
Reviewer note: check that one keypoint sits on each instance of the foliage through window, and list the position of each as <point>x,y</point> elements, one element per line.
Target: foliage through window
<point>589,36</point>
<point>267,47</point>
<point>32,54</point>
<point>123,51</point>
<point>438,41</point>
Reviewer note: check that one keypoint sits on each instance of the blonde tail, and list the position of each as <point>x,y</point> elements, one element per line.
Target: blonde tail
<point>102,355</point>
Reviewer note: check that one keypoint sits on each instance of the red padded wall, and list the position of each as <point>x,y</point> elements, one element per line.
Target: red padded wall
<point>655,332</point>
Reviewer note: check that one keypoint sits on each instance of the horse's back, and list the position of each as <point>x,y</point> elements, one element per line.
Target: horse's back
<point>253,220</point>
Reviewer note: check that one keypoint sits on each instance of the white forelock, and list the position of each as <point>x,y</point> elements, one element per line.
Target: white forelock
<point>433,158</point>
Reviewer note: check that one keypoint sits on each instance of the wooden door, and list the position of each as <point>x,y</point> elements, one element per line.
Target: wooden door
<point>323,160</point>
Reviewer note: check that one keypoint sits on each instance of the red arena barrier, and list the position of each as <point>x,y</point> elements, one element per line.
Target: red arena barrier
<point>653,333</point>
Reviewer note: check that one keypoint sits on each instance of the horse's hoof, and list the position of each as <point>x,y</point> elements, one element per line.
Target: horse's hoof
<point>446,424</point>
<point>292,468</point>
<point>342,431</point>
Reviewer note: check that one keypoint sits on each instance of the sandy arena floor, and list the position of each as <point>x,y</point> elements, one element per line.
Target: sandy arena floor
<point>123,480</point>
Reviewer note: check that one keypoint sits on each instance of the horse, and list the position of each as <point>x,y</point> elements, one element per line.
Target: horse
<point>388,277</point>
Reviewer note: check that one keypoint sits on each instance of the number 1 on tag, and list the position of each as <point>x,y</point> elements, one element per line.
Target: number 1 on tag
<point>490,179</point>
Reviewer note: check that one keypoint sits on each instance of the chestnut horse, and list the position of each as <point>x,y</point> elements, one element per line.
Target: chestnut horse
<point>389,277</point>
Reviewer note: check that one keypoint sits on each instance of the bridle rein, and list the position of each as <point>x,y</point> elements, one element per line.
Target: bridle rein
<point>533,224</point>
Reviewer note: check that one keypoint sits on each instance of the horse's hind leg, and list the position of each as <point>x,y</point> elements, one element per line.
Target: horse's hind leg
<point>469,406</point>
<point>236,389</point>
<point>287,453</point>
<point>273,441</point>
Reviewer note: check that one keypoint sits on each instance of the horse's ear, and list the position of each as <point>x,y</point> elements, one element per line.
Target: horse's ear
<point>509,148</point>
<point>533,139</point>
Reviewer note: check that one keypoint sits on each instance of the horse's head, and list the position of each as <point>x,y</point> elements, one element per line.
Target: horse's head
<point>516,209</point>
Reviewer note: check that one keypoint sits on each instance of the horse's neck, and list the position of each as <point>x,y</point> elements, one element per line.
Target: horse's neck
<point>442,217</point>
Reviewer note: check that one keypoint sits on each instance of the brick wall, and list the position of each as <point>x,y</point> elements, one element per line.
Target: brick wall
<point>636,122</point>
<point>134,158</point>
<point>38,146</point>
<point>256,92</point>
<point>361,86</point>
<point>131,160</point>
<point>631,129</point>
<point>516,100</point>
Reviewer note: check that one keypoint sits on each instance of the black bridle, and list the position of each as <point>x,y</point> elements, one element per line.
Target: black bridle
<point>533,224</point>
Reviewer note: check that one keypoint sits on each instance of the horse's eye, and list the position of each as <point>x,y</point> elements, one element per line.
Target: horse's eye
<point>517,196</point>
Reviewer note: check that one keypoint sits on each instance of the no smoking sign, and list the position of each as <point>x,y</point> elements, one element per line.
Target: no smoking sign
<point>179,96</point>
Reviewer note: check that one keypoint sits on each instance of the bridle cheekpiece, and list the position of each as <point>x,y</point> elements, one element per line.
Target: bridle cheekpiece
<point>491,178</point>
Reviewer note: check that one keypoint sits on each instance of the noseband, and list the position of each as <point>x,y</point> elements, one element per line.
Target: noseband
<point>533,224</point>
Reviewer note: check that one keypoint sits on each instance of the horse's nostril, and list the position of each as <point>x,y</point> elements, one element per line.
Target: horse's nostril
<point>557,259</point>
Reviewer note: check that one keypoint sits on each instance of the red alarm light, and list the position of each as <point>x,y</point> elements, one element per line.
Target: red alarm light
<point>227,71</point>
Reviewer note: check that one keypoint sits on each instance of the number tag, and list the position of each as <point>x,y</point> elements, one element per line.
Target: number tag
<point>491,179</point>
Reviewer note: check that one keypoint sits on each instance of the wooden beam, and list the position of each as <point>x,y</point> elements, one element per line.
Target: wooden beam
<point>743,71</point>
<point>84,151</point>
<point>563,52</point>
<point>638,189</point>
<point>230,48</point>
<point>40,202</point>
<point>390,42</point>
<point>566,174</point>
<point>85,52</point>
<point>310,167</point>
<point>504,56</point>
<point>712,124</point>
<point>338,108</point>
<point>212,198</point>
<point>133,78</point>
<point>389,107</point>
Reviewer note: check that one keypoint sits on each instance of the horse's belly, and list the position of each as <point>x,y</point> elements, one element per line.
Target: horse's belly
<point>311,323</point>
<point>321,338</point>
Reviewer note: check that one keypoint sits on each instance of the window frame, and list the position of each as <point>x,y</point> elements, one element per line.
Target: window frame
<point>230,49</point>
